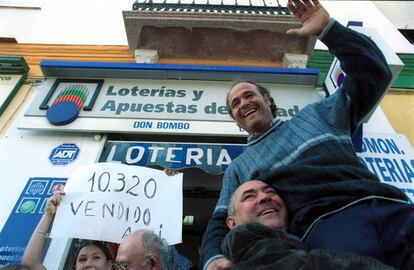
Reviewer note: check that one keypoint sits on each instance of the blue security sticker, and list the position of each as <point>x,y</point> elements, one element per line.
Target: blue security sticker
<point>64,154</point>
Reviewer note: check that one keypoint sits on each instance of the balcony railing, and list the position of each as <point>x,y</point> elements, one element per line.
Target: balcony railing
<point>260,7</point>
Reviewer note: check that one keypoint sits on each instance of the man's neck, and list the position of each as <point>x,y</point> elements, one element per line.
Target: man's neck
<point>256,135</point>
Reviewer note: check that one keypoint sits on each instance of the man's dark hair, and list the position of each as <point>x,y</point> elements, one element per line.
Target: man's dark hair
<point>262,90</point>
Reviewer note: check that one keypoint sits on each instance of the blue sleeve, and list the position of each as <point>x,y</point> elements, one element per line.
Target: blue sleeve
<point>367,75</point>
<point>213,237</point>
<point>217,228</point>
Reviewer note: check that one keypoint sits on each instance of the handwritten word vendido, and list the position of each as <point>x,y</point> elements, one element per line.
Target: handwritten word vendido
<point>130,185</point>
<point>116,210</point>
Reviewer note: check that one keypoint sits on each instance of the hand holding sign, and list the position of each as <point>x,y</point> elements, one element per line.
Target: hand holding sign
<point>107,201</point>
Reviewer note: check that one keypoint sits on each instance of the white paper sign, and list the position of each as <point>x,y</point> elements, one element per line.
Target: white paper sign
<point>108,201</point>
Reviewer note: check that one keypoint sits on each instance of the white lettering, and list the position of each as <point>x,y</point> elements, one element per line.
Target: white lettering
<point>224,158</point>
<point>129,159</point>
<point>170,154</point>
<point>209,156</point>
<point>64,154</point>
<point>198,153</point>
<point>154,150</point>
<point>111,155</point>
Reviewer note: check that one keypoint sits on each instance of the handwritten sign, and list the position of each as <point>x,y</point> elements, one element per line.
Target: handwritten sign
<point>108,201</point>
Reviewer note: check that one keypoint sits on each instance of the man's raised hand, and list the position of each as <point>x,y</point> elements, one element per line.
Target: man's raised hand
<point>311,14</point>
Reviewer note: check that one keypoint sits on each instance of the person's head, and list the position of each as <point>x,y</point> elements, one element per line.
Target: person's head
<point>142,250</point>
<point>256,201</point>
<point>251,106</point>
<point>93,255</point>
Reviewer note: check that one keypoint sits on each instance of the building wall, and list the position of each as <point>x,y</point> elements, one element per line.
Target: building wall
<point>35,53</point>
<point>398,106</point>
<point>91,22</point>
<point>100,22</point>
<point>9,115</point>
<point>400,13</point>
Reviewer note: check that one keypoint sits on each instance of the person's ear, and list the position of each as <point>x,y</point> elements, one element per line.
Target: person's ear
<point>230,221</point>
<point>267,99</point>
<point>153,263</point>
<point>109,265</point>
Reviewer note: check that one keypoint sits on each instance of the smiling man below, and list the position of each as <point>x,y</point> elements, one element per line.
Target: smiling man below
<point>257,218</point>
<point>255,201</point>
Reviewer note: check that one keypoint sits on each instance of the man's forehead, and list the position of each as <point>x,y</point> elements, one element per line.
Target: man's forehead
<point>253,186</point>
<point>132,242</point>
<point>129,251</point>
<point>241,88</point>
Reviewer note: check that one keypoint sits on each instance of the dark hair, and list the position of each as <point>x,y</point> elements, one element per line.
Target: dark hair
<point>231,210</point>
<point>99,244</point>
<point>262,90</point>
<point>15,267</point>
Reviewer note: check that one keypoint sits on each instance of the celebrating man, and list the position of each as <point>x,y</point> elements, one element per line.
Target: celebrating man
<point>333,200</point>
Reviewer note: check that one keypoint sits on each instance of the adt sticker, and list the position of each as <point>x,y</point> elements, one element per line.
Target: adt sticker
<point>64,154</point>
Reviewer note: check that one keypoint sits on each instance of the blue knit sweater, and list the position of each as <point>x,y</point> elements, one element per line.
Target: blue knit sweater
<point>310,160</point>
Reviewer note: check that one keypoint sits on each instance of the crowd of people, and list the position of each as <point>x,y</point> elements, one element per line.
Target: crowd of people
<point>298,197</point>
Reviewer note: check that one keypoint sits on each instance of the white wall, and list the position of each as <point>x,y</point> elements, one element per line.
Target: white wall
<point>26,154</point>
<point>400,13</point>
<point>100,22</point>
<point>91,22</point>
<point>371,16</point>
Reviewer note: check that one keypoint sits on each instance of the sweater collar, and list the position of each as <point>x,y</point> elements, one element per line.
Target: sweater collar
<point>256,137</point>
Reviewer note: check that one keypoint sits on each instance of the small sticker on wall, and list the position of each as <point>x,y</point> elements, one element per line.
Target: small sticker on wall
<point>64,154</point>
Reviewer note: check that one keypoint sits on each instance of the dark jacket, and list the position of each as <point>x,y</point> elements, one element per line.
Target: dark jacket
<point>254,246</point>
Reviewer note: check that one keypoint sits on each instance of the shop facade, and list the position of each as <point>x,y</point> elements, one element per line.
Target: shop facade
<point>166,113</point>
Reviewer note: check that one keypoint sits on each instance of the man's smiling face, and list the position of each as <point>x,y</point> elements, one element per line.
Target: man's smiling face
<point>255,201</point>
<point>250,109</point>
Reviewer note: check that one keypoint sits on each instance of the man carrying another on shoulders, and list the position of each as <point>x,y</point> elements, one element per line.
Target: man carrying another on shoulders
<point>333,200</point>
